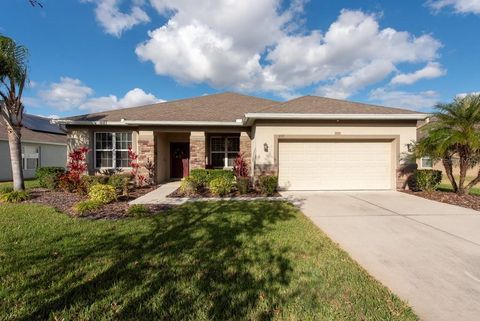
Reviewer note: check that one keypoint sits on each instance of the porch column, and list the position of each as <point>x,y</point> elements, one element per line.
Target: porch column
<point>246,149</point>
<point>197,150</point>
<point>147,158</point>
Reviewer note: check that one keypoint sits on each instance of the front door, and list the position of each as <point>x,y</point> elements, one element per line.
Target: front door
<point>179,159</point>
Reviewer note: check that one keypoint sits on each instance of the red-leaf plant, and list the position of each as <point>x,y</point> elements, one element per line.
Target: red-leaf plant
<point>76,167</point>
<point>139,179</point>
<point>240,166</point>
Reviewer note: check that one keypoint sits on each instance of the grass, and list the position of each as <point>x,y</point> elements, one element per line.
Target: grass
<point>29,183</point>
<point>446,186</point>
<point>199,261</point>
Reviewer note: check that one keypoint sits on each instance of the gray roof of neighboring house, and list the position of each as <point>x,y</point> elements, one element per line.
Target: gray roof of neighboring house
<point>38,129</point>
<point>217,107</point>
<point>322,105</point>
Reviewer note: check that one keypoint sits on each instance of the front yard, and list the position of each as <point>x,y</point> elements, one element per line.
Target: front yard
<point>201,261</point>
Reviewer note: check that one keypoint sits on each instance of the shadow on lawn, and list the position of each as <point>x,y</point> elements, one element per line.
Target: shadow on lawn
<point>195,262</point>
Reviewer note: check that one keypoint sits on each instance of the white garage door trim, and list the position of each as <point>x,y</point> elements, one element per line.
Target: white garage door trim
<point>357,163</point>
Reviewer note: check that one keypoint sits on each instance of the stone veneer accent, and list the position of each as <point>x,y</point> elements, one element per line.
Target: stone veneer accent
<point>197,150</point>
<point>81,137</point>
<point>146,151</point>
<point>246,149</point>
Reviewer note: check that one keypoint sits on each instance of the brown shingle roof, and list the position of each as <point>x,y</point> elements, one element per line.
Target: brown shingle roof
<point>218,107</point>
<point>322,105</point>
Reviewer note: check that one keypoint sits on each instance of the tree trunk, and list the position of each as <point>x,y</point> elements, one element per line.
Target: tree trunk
<point>447,163</point>
<point>474,182</point>
<point>463,171</point>
<point>15,145</point>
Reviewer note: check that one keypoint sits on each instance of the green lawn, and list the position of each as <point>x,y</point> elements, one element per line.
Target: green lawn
<point>445,186</point>
<point>29,183</point>
<point>200,261</point>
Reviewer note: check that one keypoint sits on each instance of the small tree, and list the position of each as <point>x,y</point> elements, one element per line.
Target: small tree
<point>138,178</point>
<point>454,133</point>
<point>76,168</point>
<point>240,166</point>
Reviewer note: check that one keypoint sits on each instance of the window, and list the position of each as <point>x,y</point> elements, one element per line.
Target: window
<point>427,162</point>
<point>223,151</point>
<point>30,157</point>
<point>111,149</point>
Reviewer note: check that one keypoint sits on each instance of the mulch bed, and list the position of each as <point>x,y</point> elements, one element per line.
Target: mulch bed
<point>468,201</point>
<point>204,192</point>
<point>64,202</point>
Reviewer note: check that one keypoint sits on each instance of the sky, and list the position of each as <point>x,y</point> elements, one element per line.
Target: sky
<point>95,55</point>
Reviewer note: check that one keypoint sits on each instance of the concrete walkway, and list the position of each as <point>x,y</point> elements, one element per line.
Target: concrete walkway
<point>426,252</point>
<point>159,197</point>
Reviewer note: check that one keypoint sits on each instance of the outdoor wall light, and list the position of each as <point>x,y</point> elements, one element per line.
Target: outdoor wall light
<point>265,147</point>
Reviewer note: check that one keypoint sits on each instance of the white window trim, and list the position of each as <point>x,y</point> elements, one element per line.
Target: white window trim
<point>421,162</point>
<point>225,151</point>
<point>35,156</point>
<point>112,150</point>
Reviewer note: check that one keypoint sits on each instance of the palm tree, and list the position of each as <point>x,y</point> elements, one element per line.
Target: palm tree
<point>13,75</point>
<point>454,133</point>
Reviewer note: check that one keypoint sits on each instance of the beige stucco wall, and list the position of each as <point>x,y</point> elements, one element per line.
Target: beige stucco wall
<point>265,132</point>
<point>50,155</point>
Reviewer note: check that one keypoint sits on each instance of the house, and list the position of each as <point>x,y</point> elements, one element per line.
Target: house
<point>43,144</point>
<point>311,143</point>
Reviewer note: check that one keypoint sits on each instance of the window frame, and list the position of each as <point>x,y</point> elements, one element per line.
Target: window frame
<point>428,159</point>
<point>225,151</point>
<point>25,159</point>
<point>113,150</point>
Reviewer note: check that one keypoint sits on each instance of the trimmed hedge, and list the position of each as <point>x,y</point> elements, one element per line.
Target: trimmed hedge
<point>268,184</point>
<point>203,177</point>
<point>48,177</point>
<point>427,179</point>
<point>102,193</point>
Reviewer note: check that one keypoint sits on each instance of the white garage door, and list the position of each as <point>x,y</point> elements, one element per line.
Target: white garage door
<point>335,165</point>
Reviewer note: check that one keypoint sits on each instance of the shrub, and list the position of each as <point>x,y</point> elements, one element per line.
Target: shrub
<point>243,184</point>
<point>14,197</point>
<point>71,181</point>
<point>203,177</point>
<point>102,193</point>
<point>84,207</point>
<point>221,185</point>
<point>240,166</point>
<point>189,186</point>
<point>138,210</point>
<point>87,181</point>
<point>268,184</point>
<point>120,183</point>
<point>427,179</point>
<point>6,189</point>
<point>48,177</point>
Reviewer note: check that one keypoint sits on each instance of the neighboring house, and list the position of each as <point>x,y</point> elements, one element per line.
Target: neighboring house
<point>428,163</point>
<point>312,143</point>
<point>43,144</point>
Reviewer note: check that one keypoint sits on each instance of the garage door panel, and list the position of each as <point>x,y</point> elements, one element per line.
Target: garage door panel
<point>335,165</point>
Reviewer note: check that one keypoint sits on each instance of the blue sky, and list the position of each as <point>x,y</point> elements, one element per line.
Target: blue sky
<point>93,55</point>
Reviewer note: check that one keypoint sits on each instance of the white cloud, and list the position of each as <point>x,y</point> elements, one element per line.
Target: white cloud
<point>113,20</point>
<point>66,94</point>
<point>252,45</point>
<point>463,95</point>
<point>71,94</point>
<point>431,70</point>
<point>459,6</point>
<point>411,100</point>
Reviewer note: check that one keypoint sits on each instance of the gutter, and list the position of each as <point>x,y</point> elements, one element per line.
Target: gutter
<point>124,122</point>
<point>251,117</point>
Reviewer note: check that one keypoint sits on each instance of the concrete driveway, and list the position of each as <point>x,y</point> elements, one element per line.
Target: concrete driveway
<point>426,252</point>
